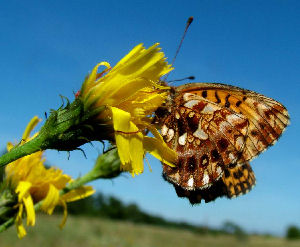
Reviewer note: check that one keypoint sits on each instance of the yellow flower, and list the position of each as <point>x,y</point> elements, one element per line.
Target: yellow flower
<point>131,92</point>
<point>33,182</point>
<point>127,95</point>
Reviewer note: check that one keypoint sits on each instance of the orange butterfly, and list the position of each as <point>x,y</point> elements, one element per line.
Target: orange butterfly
<point>216,130</point>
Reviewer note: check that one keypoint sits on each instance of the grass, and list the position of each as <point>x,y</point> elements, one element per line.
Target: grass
<point>89,232</point>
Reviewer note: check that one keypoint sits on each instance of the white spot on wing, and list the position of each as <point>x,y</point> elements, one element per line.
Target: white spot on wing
<point>235,118</point>
<point>199,133</point>
<point>191,182</point>
<point>209,109</point>
<point>219,170</point>
<point>239,142</point>
<point>164,130</point>
<point>191,103</point>
<point>231,157</point>
<point>182,139</point>
<point>205,178</point>
<point>223,126</point>
<point>188,96</point>
<point>170,135</point>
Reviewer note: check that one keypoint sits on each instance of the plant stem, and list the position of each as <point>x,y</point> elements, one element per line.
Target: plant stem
<point>19,151</point>
<point>7,224</point>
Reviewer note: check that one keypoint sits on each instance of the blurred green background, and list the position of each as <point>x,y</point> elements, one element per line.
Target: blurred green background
<point>106,221</point>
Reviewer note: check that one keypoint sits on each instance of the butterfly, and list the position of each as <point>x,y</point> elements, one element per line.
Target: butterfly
<point>216,129</point>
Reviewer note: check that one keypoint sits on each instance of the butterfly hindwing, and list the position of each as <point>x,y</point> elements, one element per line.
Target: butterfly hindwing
<point>236,180</point>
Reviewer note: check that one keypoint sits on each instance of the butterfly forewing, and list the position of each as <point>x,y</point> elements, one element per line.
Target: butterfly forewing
<point>267,118</point>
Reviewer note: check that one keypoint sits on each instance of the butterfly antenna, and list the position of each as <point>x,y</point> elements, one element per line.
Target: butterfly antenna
<point>182,79</point>
<point>188,23</point>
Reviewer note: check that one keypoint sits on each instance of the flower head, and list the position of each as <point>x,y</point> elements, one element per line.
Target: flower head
<point>125,97</point>
<point>33,182</point>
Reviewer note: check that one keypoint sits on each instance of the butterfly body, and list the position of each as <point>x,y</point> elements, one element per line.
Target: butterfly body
<point>216,128</point>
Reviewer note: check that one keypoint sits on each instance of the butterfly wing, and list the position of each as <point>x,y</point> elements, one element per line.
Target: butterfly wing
<point>267,118</point>
<point>236,181</point>
<point>212,126</point>
<point>206,137</point>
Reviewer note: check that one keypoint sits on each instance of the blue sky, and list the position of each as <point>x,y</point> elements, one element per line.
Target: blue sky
<point>47,48</point>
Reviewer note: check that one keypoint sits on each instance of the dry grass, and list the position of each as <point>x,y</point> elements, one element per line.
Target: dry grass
<point>86,232</point>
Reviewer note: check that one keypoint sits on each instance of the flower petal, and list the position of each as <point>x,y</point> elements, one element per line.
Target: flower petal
<point>129,141</point>
<point>33,122</point>
<point>115,92</point>
<point>133,53</point>
<point>121,121</point>
<point>19,223</point>
<point>160,150</point>
<point>28,203</point>
<point>65,209</point>
<point>51,200</point>
<point>9,146</point>
<point>22,189</point>
<point>93,76</point>
<point>78,194</point>
<point>136,153</point>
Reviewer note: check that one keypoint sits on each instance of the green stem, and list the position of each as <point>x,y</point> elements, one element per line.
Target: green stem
<point>88,177</point>
<point>65,130</point>
<point>7,224</point>
<point>22,150</point>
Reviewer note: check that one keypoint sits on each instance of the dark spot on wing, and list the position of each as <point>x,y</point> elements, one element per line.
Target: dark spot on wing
<point>217,97</point>
<point>232,165</point>
<point>244,166</point>
<point>261,125</point>
<point>193,123</point>
<point>238,103</point>
<point>240,173</point>
<point>222,144</point>
<point>215,155</point>
<point>181,127</point>
<point>254,133</point>
<point>191,163</point>
<point>180,163</point>
<point>243,187</point>
<point>227,173</point>
<point>235,174</point>
<point>227,103</point>
<point>204,94</point>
